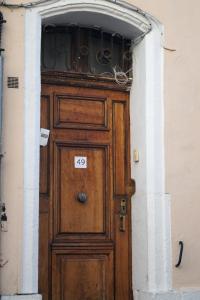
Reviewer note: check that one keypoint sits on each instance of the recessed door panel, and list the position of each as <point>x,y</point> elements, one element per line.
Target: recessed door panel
<point>79,275</point>
<point>72,111</point>
<point>81,189</point>
<point>119,148</point>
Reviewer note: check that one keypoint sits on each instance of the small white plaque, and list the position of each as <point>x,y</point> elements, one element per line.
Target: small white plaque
<point>44,136</point>
<point>80,162</point>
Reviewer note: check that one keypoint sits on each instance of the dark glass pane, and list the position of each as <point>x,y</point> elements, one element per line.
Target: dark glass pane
<point>85,50</point>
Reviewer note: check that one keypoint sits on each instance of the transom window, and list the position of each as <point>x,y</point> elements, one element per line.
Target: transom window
<point>86,50</point>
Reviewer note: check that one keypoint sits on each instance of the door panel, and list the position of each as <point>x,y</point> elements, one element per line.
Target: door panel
<point>82,275</point>
<point>85,221</point>
<point>88,216</point>
<point>119,148</point>
<point>75,111</point>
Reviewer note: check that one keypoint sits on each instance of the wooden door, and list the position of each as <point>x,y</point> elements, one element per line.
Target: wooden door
<point>85,224</point>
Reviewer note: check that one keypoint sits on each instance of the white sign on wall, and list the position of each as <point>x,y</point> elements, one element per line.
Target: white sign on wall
<point>80,162</point>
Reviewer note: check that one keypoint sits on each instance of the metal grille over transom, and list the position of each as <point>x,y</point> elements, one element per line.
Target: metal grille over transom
<point>85,50</point>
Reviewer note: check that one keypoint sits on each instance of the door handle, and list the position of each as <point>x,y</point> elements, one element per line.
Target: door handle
<point>82,197</point>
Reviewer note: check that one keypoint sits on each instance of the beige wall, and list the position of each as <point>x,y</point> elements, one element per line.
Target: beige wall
<point>12,163</point>
<point>182,135</point>
<point>182,115</point>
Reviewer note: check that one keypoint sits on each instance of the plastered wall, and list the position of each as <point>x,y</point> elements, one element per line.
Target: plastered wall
<point>12,162</point>
<point>182,137</point>
<point>182,142</point>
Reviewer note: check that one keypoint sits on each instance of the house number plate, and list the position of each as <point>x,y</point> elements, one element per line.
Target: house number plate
<point>80,162</point>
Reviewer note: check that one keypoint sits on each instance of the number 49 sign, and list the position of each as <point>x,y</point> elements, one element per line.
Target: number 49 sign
<point>80,162</point>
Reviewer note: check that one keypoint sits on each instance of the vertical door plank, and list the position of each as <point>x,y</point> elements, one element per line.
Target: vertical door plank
<point>121,166</point>
<point>119,148</point>
<point>44,202</point>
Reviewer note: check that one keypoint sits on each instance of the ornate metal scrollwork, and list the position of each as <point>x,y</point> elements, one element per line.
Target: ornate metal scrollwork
<point>104,56</point>
<point>127,55</point>
<point>86,50</point>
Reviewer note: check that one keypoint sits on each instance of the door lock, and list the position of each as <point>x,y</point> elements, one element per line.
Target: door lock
<point>122,216</point>
<point>123,208</point>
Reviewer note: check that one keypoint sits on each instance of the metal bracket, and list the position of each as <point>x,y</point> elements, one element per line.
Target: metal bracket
<point>180,254</point>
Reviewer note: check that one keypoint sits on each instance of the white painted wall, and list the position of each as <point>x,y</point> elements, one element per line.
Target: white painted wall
<point>151,207</point>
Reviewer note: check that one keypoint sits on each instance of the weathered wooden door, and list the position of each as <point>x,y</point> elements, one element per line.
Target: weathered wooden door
<point>85,187</point>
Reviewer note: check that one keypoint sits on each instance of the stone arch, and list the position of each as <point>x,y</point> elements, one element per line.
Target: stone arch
<point>151,236</point>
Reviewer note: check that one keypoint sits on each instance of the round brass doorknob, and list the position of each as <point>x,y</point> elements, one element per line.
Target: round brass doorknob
<point>82,197</point>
